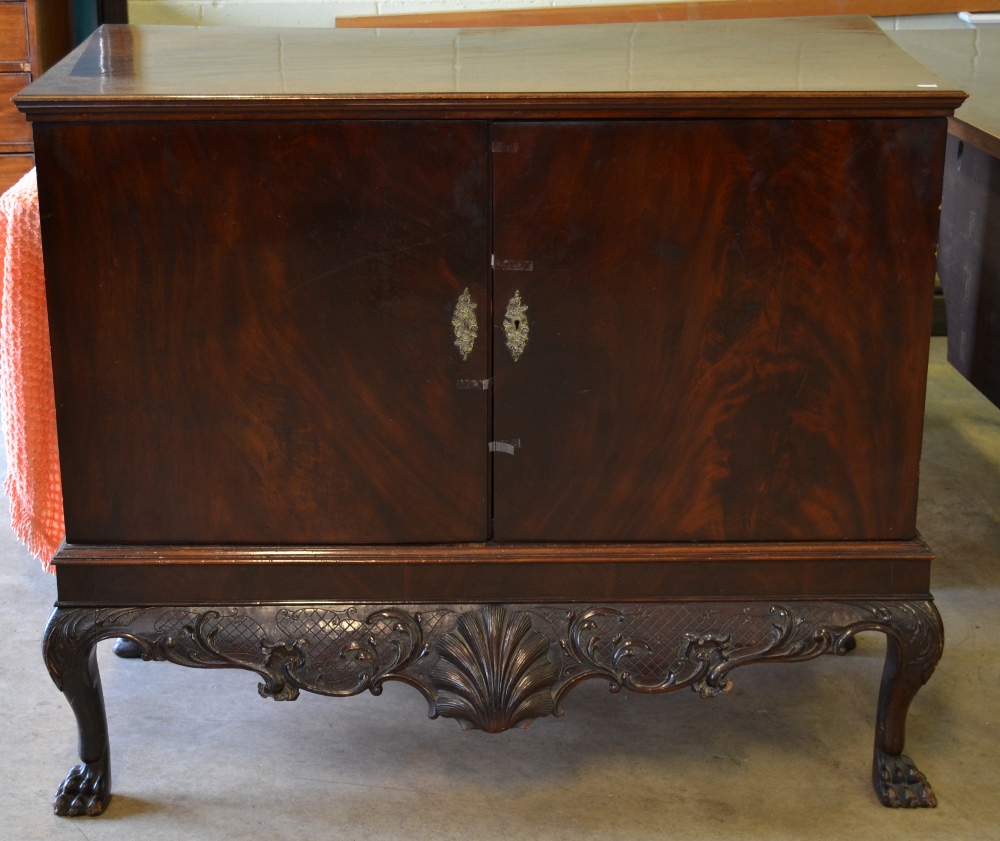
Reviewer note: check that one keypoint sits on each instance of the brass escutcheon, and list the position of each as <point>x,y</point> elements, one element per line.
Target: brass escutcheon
<point>464,324</point>
<point>515,326</point>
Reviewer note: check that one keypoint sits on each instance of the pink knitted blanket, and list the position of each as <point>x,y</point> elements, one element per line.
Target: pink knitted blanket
<point>26,397</point>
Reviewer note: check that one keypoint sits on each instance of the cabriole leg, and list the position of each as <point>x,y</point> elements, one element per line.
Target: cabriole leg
<point>70,656</point>
<point>913,650</point>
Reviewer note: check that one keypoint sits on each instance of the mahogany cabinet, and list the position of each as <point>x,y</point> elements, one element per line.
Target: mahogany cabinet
<point>490,362</point>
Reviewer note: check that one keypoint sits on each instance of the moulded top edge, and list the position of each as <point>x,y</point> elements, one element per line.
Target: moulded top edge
<point>577,553</point>
<point>797,59</point>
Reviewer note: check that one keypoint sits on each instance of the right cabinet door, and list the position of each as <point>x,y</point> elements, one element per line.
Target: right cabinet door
<point>727,327</point>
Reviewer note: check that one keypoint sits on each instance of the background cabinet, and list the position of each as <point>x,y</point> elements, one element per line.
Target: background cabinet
<point>34,34</point>
<point>15,74</point>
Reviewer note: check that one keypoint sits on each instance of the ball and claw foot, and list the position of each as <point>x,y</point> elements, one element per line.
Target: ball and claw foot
<point>85,791</point>
<point>899,783</point>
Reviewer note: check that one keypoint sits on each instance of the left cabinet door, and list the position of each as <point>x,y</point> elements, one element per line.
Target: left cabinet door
<point>252,334</point>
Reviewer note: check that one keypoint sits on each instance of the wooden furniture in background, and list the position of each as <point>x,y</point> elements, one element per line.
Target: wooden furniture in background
<point>114,11</point>
<point>491,361</point>
<point>969,254</point>
<point>34,34</point>
<point>15,73</point>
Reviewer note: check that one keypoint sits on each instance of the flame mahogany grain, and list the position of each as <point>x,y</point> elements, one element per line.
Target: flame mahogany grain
<point>255,346</point>
<point>728,327</point>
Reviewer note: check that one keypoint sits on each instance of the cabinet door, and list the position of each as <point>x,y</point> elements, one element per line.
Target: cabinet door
<point>727,327</point>
<point>252,329</point>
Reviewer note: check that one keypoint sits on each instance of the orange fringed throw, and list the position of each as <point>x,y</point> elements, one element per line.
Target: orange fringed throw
<point>26,396</point>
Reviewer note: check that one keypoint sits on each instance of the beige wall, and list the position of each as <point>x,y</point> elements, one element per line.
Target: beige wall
<point>325,12</point>
<point>310,12</point>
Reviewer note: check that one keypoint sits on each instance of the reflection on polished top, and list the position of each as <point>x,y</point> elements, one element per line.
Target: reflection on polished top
<point>794,60</point>
<point>967,57</point>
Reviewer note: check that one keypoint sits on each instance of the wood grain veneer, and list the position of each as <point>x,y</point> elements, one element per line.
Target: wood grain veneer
<point>134,575</point>
<point>284,379</point>
<point>15,132</point>
<point>704,325</point>
<point>14,54</point>
<point>12,167</point>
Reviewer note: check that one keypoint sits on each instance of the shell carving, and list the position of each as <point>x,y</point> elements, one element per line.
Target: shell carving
<point>494,671</point>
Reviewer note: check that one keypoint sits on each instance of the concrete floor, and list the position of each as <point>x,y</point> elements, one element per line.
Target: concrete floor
<point>785,755</point>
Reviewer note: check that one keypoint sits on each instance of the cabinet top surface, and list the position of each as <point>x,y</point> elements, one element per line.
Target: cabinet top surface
<point>788,65</point>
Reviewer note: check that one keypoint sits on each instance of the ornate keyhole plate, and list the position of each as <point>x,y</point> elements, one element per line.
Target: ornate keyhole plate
<point>515,326</point>
<point>464,324</point>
